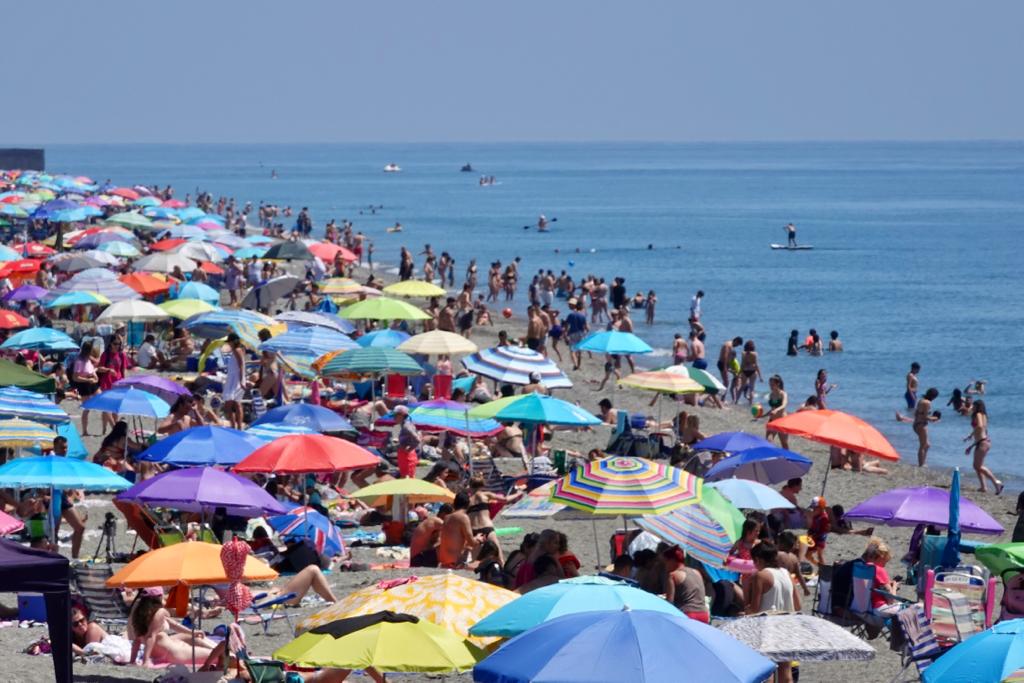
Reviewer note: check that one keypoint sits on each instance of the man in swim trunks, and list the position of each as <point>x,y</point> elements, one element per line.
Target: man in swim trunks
<point>576,329</point>
<point>697,350</point>
<point>535,330</point>
<point>726,355</point>
<point>456,540</point>
<point>791,235</point>
<point>911,393</point>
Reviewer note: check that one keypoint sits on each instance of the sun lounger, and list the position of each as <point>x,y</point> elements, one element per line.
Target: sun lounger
<point>266,609</point>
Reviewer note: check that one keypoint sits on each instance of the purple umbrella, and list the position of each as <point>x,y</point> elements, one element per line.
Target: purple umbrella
<point>203,489</point>
<point>164,388</point>
<point>26,293</point>
<point>923,505</point>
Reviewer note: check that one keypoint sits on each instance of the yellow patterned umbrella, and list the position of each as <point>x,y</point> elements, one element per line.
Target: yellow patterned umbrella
<point>449,600</point>
<point>662,382</point>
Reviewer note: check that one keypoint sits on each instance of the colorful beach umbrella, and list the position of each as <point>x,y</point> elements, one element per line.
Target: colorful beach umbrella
<point>78,299</point>
<point>130,219</point>
<point>366,361</point>
<point>303,522</point>
<point>836,428</point>
<point>9,525</point>
<point>57,472</point>
<point>164,262</point>
<point>764,464</point>
<point>340,286</point>
<point>648,647</point>
<point>382,308</point>
<point>313,453</point>
<point>706,530</point>
<point>413,491</point>
<point>99,280</point>
<point>203,489</point>
<point>132,311</point>
<point>662,383</point>
<point>613,342</point>
<point>207,445</point>
<point>547,410</point>
<point>197,290</point>
<point>26,293</point>
<point>987,657</point>
<point>183,309</point>
<point>414,288</point>
<point>438,342</point>
<point>951,551</point>
<point>289,251</point>
<point>568,596</point>
<point>923,505</point>
<point>190,563</point>
<point>309,341</point>
<point>40,338</point>
<point>266,293</point>
<point>315,319</point>
<point>29,405</point>
<point>146,284</point>
<point>119,248</point>
<point>128,401</point>
<point>384,641</point>
<point>328,252</point>
<point>1001,557</point>
<point>271,432</point>
<point>627,486</point>
<point>450,600</point>
<point>704,378</point>
<point>514,365</point>
<point>452,416</point>
<point>313,417</point>
<point>383,339</point>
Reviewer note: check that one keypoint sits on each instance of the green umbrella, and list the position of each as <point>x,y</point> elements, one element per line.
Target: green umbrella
<point>492,408</point>
<point>289,251</point>
<point>130,219</point>
<point>702,377</point>
<point>382,308</point>
<point>1001,557</point>
<point>371,360</point>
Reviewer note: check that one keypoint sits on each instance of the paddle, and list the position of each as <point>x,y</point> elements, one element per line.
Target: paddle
<point>554,219</point>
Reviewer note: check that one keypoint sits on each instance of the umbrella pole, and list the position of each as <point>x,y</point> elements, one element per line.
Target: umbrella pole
<point>824,482</point>
<point>597,546</point>
<point>194,629</point>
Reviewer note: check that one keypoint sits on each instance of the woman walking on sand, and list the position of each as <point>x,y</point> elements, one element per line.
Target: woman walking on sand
<point>981,444</point>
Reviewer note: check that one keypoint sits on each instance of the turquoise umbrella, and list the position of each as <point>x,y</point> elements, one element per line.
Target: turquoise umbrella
<point>988,657</point>
<point>371,360</point>
<point>119,248</point>
<point>40,338</point>
<point>58,472</point>
<point>570,596</point>
<point>541,409</point>
<point>197,290</point>
<point>128,401</point>
<point>613,341</point>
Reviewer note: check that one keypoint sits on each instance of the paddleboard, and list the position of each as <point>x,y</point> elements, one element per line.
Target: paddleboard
<point>799,247</point>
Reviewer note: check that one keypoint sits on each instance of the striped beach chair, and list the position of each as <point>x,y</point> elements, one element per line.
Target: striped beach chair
<point>920,646</point>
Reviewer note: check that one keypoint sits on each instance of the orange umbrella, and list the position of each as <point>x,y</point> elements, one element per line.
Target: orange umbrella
<point>10,320</point>
<point>211,268</point>
<point>191,563</point>
<point>300,453</point>
<point>166,245</point>
<point>836,429</point>
<point>327,252</point>
<point>146,284</point>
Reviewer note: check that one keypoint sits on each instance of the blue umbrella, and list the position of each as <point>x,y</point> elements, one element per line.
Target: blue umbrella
<point>637,646</point>
<point>313,417</point>
<point>951,552</point>
<point>40,338</point>
<point>750,495</point>
<point>15,402</point>
<point>731,442</point>
<point>541,409</point>
<point>383,339</point>
<point>76,447</point>
<point>8,254</point>
<point>249,252</point>
<point>569,596</point>
<point>987,657</point>
<point>209,445</point>
<point>765,464</point>
<point>303,522</point>
<point>315,319</point>
<point>190,213</point>
<point>128,401</point>
<point>268,432</point>
<point>58,472</point>
<point>613,341</point>
<point>197,290</point>
<point>309,341</point>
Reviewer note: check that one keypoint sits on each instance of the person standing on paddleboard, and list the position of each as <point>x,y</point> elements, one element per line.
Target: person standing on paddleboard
<point>791,234</point>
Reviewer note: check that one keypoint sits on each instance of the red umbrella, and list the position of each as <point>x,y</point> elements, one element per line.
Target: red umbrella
<point>20,267</point>
<point>302,453</point>
<point>35,249</point>
<point>9,320</point>
<point>211,268</point>
<point>174,204</point>
<point>125,192</point>
<point>327,252</point>
<point>166,245</point>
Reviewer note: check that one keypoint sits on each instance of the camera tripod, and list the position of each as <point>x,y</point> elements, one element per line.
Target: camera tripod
<point>107,539</point>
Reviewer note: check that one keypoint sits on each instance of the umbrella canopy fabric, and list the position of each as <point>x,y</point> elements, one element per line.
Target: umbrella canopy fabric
<point>100,281</point>
<point>383,339</point>
<point>412,490</point>
<point>382,308</point>
<point>1001,557</point>
<point>452,416</point>
<point>15,402</point>
<point>309,341</point>
<point>707,530</point>
<point>132,311</point>
<point>266,293</point>
<point>207,445</point>
<point>990,656</point>
<point>414,288</point>
<point>217,324</point>
<point>749,495</point>
<point>627,486</point>
<point>9,525</point>
<point>438,342</point>
<point>18,433</point>
<point>164,262</point>
<point>183,309</point>
<point>368,360</point>
<point>289,251</point>
<point>649,646</point>
<point>789,637</point>
<point>836,428</point>
<point>26,293</point>
<point>161,387</point>
<point>384,641</point>
<point>203,489</point>
<point>764,464</point>
<point>311,453</point>
<point>145,284</point>
<point>315,319</point>
<point>119,248</point>
<point>197,290</point>
<point>40,338</point>
<point>951,552</point>
<point>128,401</point>
<point>449,600</point>
<point>302,522</point>
<point>662,383</point>
<point>79,298</point>
<point>191,563</point>
<point>315,418</point>
<point>58,472</point>
<point>569,596</point>
<point>340,287</point>
<point>923,505</point>
<point>541,409</point>
<point>613,342</point>
<point>514,365</point>
<point>271,432</point>
<point>12,374</point>
<point>732,442</point>
<point>711,384</point>
<point>492,408</point>
<point>9,320</point>
<point>327,252</point>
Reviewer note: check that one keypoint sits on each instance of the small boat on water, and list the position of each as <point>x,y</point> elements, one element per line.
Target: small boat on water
<point>392,168</point>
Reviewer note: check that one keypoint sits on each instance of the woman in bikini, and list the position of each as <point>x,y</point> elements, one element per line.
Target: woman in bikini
<point>163,639</point>
<point>778,399</point>
<point>479,510</point>
<point>822,388</point>
<point>922,416</point>
<point>981,443</point>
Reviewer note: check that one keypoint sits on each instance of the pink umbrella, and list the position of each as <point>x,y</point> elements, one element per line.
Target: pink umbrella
<point>9,525</point>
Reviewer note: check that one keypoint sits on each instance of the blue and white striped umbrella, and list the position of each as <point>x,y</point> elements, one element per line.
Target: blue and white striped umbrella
<point>513,364</point>
<point>300,347</point>
<point>296,319</point>
<point>269,432</point>
<point>15,402</point>
<point>99,280</point>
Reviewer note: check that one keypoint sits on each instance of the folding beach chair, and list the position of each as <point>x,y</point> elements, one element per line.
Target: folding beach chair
<point>920,646</point>
<point>267,609</point>
<point>834,594</point>
<point>958,603</point>
<point>105,605</point>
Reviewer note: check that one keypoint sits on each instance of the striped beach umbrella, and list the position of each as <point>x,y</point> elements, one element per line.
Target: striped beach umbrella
<point>707,530</point>
<point>81,298</point>
<point>340,286</point>
<point>18,433</point>
<point>514,365</point>
<point>710,383</point>
<point>329,321</point>
<point>368,360</point>
<point>270,432</point>
<point>15,402</point>
<point>452,416</point>
<point>627,486</point>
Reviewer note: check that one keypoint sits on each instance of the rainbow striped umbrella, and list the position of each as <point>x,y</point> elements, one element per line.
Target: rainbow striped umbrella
<point>18,433</point>
<point>707,530</point>
<point>627,486</point>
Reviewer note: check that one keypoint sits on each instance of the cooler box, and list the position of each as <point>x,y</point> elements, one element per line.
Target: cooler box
<point>31,607</point>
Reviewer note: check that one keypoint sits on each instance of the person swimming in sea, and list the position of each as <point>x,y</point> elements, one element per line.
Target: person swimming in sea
<point>833,343</point>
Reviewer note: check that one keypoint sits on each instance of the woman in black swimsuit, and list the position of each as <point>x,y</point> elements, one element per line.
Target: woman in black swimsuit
<point>479,510</point>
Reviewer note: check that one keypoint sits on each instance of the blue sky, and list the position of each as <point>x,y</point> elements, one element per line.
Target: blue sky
<point>326,71</point>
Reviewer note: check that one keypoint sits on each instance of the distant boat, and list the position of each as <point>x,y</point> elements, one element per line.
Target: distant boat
<point>468,168</point>
<point>786,247</point>
<point>392,168</point>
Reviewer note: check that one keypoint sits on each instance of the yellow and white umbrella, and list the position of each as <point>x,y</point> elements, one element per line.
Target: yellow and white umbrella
<point>438,342</point>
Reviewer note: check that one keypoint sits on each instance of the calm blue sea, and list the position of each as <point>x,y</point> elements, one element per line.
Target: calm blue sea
<point>917,246</point>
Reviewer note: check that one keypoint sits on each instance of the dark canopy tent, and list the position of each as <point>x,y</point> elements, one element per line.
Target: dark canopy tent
<point>12,374</point>
<point>38,571</point>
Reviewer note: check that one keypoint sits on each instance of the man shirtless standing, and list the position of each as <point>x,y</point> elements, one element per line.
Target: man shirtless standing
<point>457,538</point>
<point>911,393</point>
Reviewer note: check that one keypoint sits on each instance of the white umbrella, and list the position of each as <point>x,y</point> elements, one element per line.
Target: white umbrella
<point>263,295</point>
<point>789,637</point>
<point>200,251</point>
<point>132,311</point>
<point>438,342</point>
<point>77,262</point>
<point>164,263</point>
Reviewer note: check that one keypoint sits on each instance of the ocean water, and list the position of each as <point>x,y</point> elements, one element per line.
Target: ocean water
<point>917,246</point>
